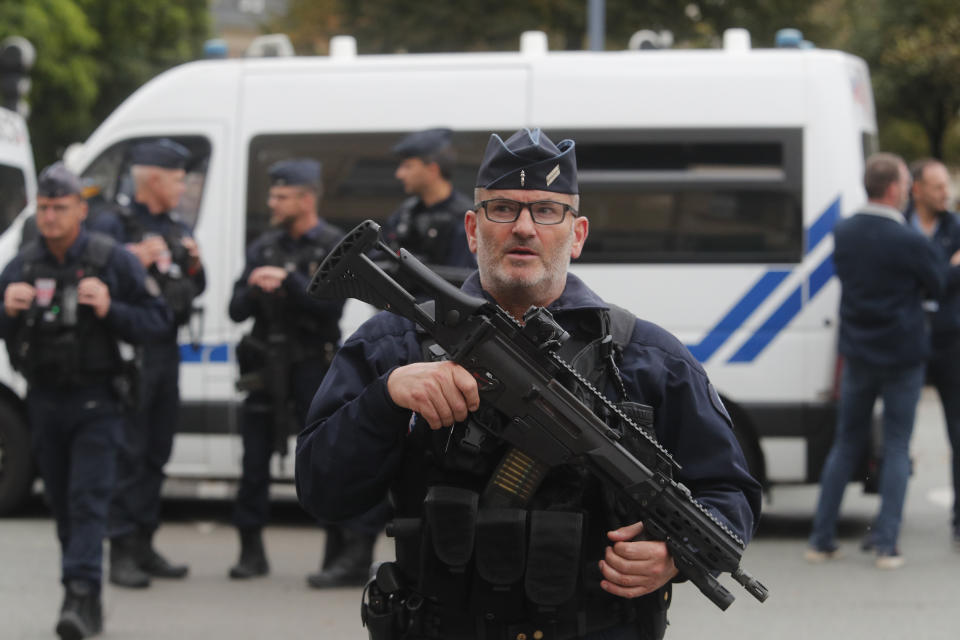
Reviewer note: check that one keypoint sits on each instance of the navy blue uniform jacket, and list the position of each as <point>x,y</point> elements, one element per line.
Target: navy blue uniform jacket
<point>135,315</point>
<point>946,322</point>
<point>351,449</point>
<point>886,270</point>
<point>162,224</point>
<point>242,304</point>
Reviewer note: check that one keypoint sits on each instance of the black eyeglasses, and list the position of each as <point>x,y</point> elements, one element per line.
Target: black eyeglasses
<point>542,211</point>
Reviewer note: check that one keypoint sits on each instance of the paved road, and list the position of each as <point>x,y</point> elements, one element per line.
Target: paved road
<point>848,599</point>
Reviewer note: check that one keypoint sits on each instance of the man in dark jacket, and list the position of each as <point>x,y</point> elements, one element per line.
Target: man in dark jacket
<point>68,298</point>
<point>429,223</point>
<point>886,270</point>
<point>387,420</point>
<point>930,215</point>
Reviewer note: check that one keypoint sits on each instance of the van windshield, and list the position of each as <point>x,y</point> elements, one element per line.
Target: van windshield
<point>107,181</point>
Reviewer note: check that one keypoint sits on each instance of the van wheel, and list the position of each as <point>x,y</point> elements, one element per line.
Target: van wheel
<point>16,460</point>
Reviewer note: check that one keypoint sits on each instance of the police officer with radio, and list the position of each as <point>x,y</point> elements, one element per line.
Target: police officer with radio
<point>162,243</point>
<point>429,223</point>
<point>393,415</point>
<point>294,337</point>
<point>67,299</point>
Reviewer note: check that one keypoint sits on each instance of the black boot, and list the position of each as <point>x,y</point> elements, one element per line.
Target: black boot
<point>351,568</point>
<point>253,559</point>
<point>81,615</point>
<point>125,569</point>
<point>154,564</point>
<point>332,545</point>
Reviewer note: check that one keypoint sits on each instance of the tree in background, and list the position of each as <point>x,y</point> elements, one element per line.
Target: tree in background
<point>91,54</point>
<point>913,49</point>
<point>64,77</point>
<point>140,39</point>
<point>914,54</point>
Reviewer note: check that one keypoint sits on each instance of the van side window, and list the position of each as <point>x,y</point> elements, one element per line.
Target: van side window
<point>13,186</point>
<point>107,180</point>
<point>358,168</point>
<point>691,196</point>
<point>652,196</point>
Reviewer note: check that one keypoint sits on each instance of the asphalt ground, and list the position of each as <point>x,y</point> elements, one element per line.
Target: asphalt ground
<point>848,598</point>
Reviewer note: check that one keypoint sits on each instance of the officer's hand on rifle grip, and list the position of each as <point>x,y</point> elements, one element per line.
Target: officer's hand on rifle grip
<point>634,567</point>
<point>441,392</point>
<point>18,297</point>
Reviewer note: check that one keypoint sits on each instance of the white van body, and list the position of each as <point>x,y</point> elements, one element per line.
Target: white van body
<point>18,178</point>
<point>18,192</point>
<point>711,178</point>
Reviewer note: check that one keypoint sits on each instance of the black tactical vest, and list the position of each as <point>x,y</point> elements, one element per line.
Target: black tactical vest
<point>427,233</point>
<point>176,288</point>
<point>61,343</point>
<point>500,572</point>
<point>305,332</point>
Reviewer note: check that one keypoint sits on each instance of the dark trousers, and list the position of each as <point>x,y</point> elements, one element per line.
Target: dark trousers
<point>252,507</point>
<point>943,372</point>
<point>146,447</point>
<point>76,435</point>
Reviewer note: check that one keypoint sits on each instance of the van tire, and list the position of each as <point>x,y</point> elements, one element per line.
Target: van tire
<point>16,460</point>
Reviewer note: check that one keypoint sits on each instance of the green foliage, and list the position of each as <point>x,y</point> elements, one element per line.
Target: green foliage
<point>140,39</point>
<point>914,54</point>
<point>905,138</point>
<point>91,54</point>
<point>64,77</point>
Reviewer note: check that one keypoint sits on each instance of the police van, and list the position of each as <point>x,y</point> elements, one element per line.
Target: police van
<point>18,190</point>
<point>711,178</point>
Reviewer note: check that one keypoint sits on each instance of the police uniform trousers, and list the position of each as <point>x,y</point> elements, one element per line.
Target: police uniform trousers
<point>147,443</point>
<point>76,434</point>
<point>252,508</point>
<point>943,372</point>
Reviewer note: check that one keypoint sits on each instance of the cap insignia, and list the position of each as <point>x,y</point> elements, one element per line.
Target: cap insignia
<point>553,175</point>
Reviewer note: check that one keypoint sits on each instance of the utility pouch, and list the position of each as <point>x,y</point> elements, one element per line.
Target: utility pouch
<point>451,514</point>
<point>553,560</point>
<point>501,545</point>
<point>179,293</point>
<point>379,614</point>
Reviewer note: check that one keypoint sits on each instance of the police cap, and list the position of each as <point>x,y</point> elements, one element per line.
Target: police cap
<point>423,144</point>
<point>163,153</point>
<point>56,181</point>
<point>295,172</point>
<point>529,160</point>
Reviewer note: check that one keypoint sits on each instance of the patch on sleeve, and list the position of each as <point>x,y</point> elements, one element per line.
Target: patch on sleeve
<point>718,403</point>
<point>152,287</point>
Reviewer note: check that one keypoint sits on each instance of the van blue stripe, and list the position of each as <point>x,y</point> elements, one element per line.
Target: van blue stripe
<point>821,276</point>
<point>769,330</point>
<point>823,225</point>
<point>761,290</point>
<point>737,315</point>
<point>787,311</point>
<point>205,353</point>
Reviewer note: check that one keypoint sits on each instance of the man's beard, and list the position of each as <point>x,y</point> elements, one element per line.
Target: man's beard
<point>523,289</point>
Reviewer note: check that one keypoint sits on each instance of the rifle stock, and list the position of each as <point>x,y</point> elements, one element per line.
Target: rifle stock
<point>519,374</point>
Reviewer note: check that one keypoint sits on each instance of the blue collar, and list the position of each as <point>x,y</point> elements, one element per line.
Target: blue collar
<point>576,294</point>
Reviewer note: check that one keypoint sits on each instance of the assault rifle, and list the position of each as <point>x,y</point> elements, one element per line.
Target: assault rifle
<point>271,372</point>
<point>520,374</point>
